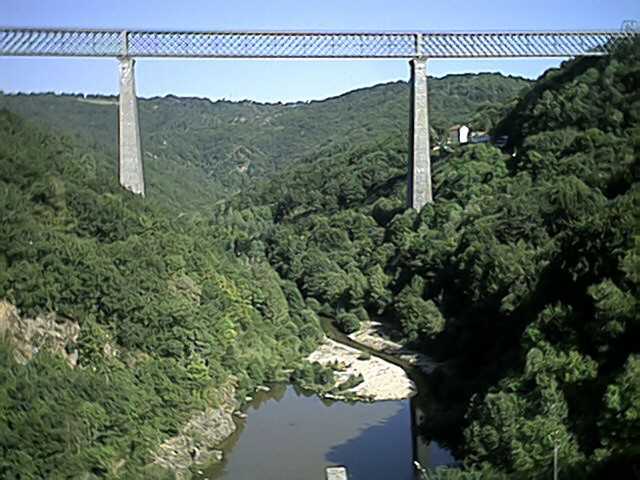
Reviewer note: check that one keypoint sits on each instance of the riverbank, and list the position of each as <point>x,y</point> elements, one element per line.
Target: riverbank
<point>382,380</point>
<point>200,441</point>
<point>380,338</point>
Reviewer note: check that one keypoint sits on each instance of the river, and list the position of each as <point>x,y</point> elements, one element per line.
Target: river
<point>291,435</point>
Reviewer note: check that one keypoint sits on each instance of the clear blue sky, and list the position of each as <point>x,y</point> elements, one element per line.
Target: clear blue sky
<point>283,80</point>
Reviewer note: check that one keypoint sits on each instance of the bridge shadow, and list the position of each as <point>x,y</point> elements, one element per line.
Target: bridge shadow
<point>381,451</point>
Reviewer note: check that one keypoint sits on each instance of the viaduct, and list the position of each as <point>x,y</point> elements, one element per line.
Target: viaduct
<point>417,47</point>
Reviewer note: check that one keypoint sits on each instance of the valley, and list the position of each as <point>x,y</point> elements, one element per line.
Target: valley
<point>138,333</point>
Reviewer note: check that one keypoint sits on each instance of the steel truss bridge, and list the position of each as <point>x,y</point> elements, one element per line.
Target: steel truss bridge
<point>142,43</point>
<point>417,47</point>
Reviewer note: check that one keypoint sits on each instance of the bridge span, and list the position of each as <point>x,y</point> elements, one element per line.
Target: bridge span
<point>417,47</point>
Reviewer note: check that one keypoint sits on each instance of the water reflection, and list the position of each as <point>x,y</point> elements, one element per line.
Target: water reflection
<point>380,451</point>
<point>427,453</point>
<point>290,435</point>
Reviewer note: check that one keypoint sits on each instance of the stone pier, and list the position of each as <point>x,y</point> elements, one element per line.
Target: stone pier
<point>419,188</point>
<point>130,170</point>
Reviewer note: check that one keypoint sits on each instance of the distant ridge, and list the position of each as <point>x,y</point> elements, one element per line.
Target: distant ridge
<point>197,138</point>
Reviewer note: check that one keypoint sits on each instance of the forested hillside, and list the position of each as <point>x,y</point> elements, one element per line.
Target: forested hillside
<point>523,277</point>
<point>197,150</point>
<point>168,320</point>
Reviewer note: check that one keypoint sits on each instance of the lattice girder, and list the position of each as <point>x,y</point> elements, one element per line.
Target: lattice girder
<point>140,43</point>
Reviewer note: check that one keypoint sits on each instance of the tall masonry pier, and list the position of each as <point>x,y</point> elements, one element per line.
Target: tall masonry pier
<point>413,46</point>
<point>130,170</point>
<point>419,184</point>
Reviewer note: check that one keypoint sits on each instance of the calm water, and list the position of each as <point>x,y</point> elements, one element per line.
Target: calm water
<point>292,436</point>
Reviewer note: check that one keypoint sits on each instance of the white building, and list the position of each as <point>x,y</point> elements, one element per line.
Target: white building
<point>459,134</point>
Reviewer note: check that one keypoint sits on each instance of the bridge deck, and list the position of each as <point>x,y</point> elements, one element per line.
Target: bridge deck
<point>264,44</point>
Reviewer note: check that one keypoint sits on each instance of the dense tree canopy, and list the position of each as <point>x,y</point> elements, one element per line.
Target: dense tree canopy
<point>180,314</point>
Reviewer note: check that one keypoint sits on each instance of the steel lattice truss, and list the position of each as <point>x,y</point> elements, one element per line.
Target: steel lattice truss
<point>115,43</point>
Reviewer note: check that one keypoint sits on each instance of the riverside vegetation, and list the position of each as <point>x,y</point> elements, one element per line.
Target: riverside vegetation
<point>523,279</point>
